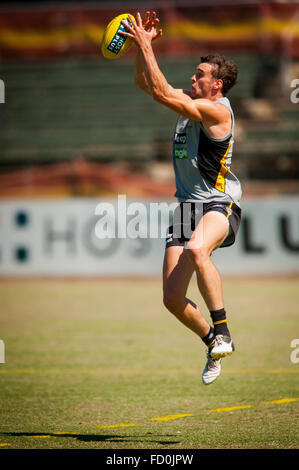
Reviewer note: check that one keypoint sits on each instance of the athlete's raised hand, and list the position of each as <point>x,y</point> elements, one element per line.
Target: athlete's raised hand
<point>150,23</point>
<point>142,33</point>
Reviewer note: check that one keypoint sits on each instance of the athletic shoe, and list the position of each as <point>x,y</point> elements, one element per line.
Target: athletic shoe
<point>212,370</point>
<point>223,346</point>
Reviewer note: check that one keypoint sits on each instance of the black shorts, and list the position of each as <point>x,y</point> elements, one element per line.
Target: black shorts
<point>187,215</point>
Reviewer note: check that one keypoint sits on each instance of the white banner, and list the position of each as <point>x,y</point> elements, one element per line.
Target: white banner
<point>61,238</point>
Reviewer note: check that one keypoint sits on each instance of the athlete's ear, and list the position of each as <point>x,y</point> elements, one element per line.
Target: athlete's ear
<point>218,85</point>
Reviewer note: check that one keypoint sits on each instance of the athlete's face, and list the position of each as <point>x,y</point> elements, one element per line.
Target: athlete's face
<point>204,85</point>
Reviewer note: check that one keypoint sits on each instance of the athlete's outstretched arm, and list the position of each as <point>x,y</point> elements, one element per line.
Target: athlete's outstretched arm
<point>149,23</point>
<point>177,100</point>
<point>140,76</point>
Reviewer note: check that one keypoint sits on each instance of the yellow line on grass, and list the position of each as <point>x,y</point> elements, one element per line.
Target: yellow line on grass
<point>231,408</point>
<point>4,444</point>
<point>170,417</point>
<point>282,400</point>
<point>117,425</point>
<point>61,433</point>
<point>183,415</point>
<point>161,418</point>
<point>164,418</point>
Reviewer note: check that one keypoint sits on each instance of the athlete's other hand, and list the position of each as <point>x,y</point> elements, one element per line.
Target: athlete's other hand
<point>150,23</point>
<point>140,33</point>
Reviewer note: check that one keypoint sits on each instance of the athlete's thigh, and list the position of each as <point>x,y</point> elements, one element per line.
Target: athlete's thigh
<point>210,232</point>
<point>177,271</point>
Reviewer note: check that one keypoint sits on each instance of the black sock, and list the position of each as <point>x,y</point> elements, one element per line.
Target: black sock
<point>209,338</point>
<point>219,322</point>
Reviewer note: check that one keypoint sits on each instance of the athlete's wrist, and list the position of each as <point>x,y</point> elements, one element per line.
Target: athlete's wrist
<point>145,47</point>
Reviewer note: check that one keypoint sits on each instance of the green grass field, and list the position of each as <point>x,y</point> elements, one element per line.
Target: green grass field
<point>102,364</point>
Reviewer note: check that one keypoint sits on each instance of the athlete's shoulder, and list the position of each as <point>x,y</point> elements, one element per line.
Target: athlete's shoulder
<point>224,101</point>
<point>213,109</point>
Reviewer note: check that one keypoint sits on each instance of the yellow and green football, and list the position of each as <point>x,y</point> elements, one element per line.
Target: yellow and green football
<point>114,45</point>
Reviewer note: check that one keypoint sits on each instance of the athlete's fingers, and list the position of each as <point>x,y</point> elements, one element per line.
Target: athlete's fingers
<point>127,25</point>
<point>154,20</point>
<point>133,19</point>
<point>151,21</point>
<point>126,34</point>
<point>139,20</point>
<point>146,18</point>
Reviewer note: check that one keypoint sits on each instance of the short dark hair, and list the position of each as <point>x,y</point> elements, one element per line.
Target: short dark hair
<point>225,70</point>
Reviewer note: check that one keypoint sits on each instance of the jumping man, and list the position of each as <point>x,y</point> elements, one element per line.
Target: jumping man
<point>208,192</point>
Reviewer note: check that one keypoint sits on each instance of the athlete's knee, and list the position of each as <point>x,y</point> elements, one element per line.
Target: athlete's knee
<point>199,255</point>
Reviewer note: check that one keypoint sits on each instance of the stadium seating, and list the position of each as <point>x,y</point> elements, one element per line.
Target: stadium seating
<point>90,108</point>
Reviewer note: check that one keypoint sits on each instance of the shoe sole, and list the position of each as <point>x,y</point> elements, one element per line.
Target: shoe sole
<point>223,354</point>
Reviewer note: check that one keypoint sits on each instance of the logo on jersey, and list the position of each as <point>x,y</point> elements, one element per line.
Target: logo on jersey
<point>169,238</point>
<point>180,146</point>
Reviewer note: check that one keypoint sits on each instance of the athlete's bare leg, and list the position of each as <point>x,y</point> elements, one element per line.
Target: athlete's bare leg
<point>179,265</point>
<point>208,235</point>
<point>177,272</point>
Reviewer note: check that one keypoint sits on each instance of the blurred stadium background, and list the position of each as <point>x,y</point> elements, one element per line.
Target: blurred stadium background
<point>74,128</point>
